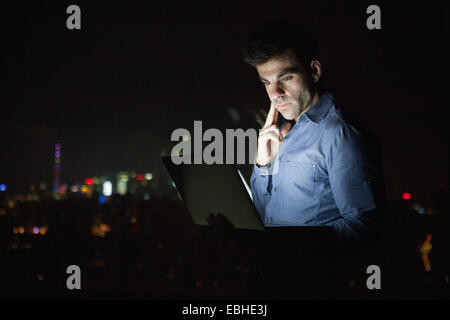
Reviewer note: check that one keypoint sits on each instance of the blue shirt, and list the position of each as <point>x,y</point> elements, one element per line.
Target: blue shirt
<point>323,175</point>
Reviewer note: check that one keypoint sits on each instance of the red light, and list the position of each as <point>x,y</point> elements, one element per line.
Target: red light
<point>89,181</point>
<point>406,196</point>
<point>139,177</point>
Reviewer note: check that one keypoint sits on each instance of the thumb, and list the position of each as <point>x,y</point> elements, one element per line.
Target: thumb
<point>286,128</point>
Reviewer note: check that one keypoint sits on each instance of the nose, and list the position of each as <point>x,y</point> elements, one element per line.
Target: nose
<point>276,91</point>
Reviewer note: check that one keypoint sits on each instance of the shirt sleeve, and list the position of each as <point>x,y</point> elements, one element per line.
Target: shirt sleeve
<point>259,182</point>
<point>353,179</point>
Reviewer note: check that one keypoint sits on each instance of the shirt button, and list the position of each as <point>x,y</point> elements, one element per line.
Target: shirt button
<point>271,219</point>
<point>275,188</point>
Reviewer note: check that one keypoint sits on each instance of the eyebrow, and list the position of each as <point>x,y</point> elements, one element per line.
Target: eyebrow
<point>284,72</point>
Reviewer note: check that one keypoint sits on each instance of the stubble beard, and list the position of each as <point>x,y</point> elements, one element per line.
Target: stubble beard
<point>304,102</point>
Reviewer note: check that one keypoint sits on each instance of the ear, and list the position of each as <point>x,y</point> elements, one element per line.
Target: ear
<point>316,70</point>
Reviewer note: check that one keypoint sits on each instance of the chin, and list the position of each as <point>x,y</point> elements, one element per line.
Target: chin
<point>289,115</point>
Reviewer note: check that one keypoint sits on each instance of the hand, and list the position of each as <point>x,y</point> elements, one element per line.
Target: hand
<point>270,138</point>
<point>220,223</point>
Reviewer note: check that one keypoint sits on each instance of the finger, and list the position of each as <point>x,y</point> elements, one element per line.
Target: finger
<point>271,115</point>
<point>271,136</point>
<point>273,127</point>
<point>275,117</point>
<point>227,222</point>
<point>219,223</point>
<point>211,221</point>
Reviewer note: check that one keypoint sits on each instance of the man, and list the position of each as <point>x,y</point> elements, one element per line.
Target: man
<point>318,168</point>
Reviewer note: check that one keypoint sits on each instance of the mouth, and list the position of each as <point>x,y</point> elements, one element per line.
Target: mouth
<point>281,106</point>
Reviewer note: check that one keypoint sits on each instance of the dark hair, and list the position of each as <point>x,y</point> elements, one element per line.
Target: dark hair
<point>276,38</point>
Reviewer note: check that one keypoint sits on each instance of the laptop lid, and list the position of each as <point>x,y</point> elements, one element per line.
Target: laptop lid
<point>215,188</point>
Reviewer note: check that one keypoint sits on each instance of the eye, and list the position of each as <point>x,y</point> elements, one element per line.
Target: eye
<point>264,83</point>
<point>287,78</point>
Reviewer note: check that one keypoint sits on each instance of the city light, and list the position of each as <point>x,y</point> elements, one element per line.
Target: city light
<point>100,230</point>
<point>89,181</point>
<point>122,187</point>
<point>43,230</point>
<point>101,199</point>
<point>123,176</point>
<point>35,230</point>
<point>425,250</point>
<point>406,196</point>
<point>2,187</point>
<point>62,189</point>
<point>107,188</point>
<point>140,177</point>
<point>148,176</point>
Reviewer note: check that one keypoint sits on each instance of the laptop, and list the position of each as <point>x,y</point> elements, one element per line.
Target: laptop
<point>216,188</point>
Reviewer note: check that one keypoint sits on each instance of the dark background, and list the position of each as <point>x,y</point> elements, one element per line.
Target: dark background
<point>113,91</point>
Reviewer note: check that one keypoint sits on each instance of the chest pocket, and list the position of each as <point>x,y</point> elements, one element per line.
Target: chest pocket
<point>299,178</point>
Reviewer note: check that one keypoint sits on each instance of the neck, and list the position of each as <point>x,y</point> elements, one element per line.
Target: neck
<point>313,101</point>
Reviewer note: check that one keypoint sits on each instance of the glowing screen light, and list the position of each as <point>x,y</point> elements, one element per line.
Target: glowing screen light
<point>107,188</point>
<point>2,187</point>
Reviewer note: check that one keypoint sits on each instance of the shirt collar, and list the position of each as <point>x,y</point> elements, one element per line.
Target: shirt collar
<point>320,109</point>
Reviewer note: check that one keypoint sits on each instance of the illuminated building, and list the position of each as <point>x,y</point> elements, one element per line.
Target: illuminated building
<point>57,167</point>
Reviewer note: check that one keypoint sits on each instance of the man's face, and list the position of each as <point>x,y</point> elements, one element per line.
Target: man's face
<point>286,84</point>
